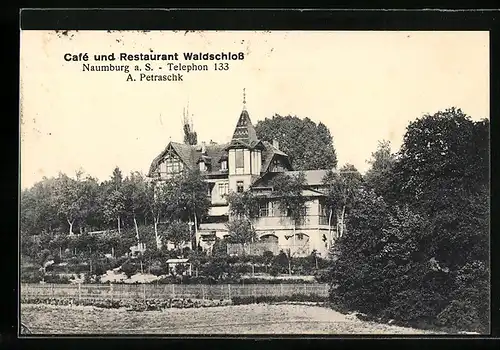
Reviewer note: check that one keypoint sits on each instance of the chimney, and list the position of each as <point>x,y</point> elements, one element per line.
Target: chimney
<point>203,148</point>
<point>276,144</point>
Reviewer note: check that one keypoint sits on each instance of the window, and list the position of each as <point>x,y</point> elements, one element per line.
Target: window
<point>239,186</point>
<point>223,189</point>
<point>223,165</point>
<point>239,163</point>
<point>273,209</point>
<point>276,166</point>
<point>171,165</point>
<point>202,166</point>
<point>263,209</point>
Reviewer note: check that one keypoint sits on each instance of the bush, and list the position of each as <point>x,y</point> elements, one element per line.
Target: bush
<point>278,299</point>
<point>56,279</point>
<point>128,268</point>
<point>460,315</point>
<point>131,305</point>
<point>31,277</point>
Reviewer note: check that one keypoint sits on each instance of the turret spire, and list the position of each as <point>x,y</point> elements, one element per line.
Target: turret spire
<point>244,99</point>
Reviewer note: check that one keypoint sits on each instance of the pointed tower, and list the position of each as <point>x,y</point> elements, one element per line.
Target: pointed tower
<point>244,153</point>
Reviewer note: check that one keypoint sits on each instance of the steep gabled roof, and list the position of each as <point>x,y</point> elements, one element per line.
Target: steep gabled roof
<point>269,153</point>
<point>190,155</point>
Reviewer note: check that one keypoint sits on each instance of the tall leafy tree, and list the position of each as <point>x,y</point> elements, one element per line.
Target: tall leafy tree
<point>421,253</point>
<point>72,199</point>
<point>193,199</point>
<point>309,146</point>
<point>114,203</point>
<point>243,209</point>
<point>38,208</point>
<point>379,175</point>
<point>241,231</point>
<point>178,233</point>
<point>342,188</point>
<point>134,188</point>
<point>287,189</point>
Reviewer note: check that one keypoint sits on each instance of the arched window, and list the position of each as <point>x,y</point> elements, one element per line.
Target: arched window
<point>269,238</point>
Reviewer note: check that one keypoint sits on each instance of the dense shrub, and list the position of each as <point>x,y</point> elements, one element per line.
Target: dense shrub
<point>56,279</point>
<point>277,299</point>
<point>130,304</point>
<point>460,315</point>
<point>128,268</point>
<point>32,276</point>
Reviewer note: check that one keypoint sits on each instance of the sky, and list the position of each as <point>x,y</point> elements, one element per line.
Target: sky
<point>364,86</point>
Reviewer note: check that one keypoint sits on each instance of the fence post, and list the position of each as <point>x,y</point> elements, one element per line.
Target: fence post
<point>79,291</point>
<point>281,289</point>
<point>305,289</point>
<point>144,292</point>
<point>111,290</point>
<point>52,289</point>
<point>173,291</point>
<point>203,292</point>
<point>229,291</point>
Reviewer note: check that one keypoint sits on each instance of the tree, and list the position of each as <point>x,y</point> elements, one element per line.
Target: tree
<point>190,136</point>
<point>38,208</point>
<point>72,199</point>
<point>342,188</point>
<point>114,205</point>
<point>134,188</point>
<point>400,258</point>
<point>309,146</point>
<point>164,202</point>
<point>241,231</point>
<point>442,154</point>
<point>243,206</point>
<point>178,233</point>
<point>379,175</point>
<point>192,198</point>
<point>288,193</point>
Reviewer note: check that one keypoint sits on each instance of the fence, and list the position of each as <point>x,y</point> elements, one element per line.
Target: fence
<point>166,291</point>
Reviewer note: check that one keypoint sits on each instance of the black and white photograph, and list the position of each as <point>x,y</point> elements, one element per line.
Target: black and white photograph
<point>274,183</point>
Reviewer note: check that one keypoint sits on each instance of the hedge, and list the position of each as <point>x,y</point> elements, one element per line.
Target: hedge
<point>131,305</point>
<point>278,299</point>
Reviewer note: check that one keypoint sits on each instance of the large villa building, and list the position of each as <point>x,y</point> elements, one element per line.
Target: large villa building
<point>249,164</point>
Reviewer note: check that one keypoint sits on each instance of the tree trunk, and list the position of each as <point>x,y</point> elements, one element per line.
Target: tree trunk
<point>342,222</point>
<point>158,244</point>
<point>113,252</point>
<point>118,219</point>
<point>330,228</point>
<point>70,227</point>
<point>195,231</point>
<point>136,230</point>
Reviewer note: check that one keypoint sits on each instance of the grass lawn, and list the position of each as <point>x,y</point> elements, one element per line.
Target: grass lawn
<point>241,319</point>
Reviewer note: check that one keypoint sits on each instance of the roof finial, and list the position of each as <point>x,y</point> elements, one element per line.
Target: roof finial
<point>244,99</point>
